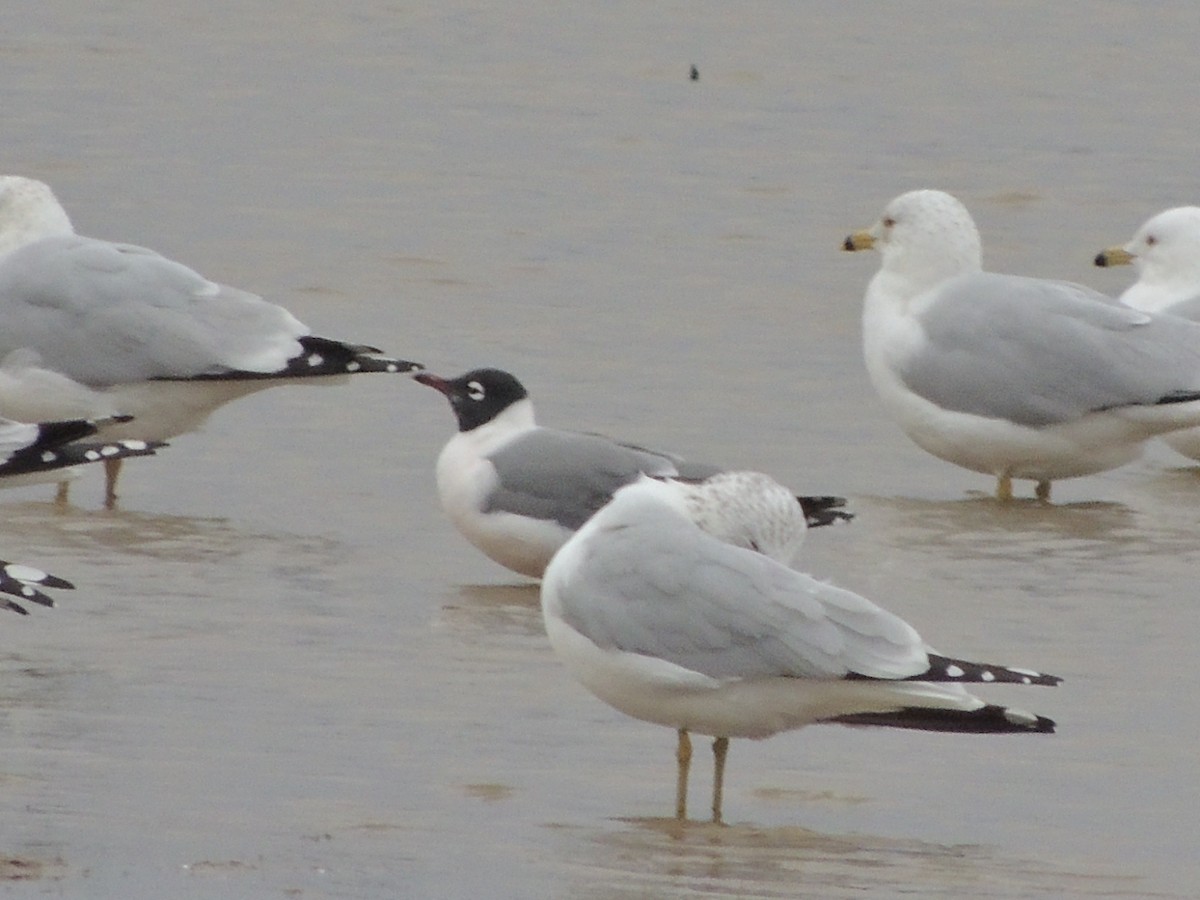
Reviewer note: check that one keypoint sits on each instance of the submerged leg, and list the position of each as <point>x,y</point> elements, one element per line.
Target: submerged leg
<point>1042,491</point>
<point>683,755</point>
<point>720,751</point>
<point>112,469</point>
<point>1004,487</point>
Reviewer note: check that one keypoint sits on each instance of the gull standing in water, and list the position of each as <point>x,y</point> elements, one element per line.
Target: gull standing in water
<point>1166,253</point>
<point>129,331</point>
<point>1011,376</point>
<point>517,490</point>
<point>657,614</point>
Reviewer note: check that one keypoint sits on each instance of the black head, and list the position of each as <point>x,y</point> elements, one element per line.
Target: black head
<point>479,396</point>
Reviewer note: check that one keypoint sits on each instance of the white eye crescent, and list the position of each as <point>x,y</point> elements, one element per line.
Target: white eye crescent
<point>475,390</point>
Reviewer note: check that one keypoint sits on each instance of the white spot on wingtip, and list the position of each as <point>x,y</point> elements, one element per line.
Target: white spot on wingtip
<point>954,672</point>
<point>353,366</point>
<point>134,445</point>
<point>1020,717</point>
<point>392,367</point>
<point>91,455</point>
<point>986,675</point>
<point>314,360</point>
<point>49,456</point>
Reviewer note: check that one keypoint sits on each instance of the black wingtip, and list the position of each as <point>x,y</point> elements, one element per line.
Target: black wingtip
<point>945,669</point>
<point>989,719</point>
<point>320,357</point>
<point>823,510</point>
<point>38,459</point>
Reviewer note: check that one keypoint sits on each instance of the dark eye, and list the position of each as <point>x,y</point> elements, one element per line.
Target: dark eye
<point>475,390</point>
<point>888,221</point>
<point>1151,240</point>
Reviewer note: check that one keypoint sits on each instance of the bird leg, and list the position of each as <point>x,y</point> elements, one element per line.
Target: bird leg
<point>1042,491</point>
<point>112,469</point>
<point>720,751</point>
<point>683,755</point>
<point>60,495</point>
<point>1004,487</point>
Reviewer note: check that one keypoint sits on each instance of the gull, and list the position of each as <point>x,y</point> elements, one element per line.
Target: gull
<point>1166,253</point>
<point>23,581</point>
<point>127,330</point>
<point>50,451</point>
<point>517,490</point>
<point>1011,376</point>
<point>667,622</point>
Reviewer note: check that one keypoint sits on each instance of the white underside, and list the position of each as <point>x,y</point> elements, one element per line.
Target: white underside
<point>1096,442</point>
<point>657,691</point>
<point>161,409</point>
<point>465,479</point>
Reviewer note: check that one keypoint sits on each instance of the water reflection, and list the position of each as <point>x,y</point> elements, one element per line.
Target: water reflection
<point>494,609</point>
<point>662,858</point>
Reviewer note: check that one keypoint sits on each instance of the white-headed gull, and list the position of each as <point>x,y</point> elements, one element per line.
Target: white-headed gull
<point>517,490</point>
<point>141,334</point>
<point>670,624</point>
<point>24,582</point>
<point>1166,253</point>
<point>1011,376</point>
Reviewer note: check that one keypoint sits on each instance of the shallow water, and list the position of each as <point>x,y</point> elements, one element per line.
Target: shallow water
<point>283,673</point>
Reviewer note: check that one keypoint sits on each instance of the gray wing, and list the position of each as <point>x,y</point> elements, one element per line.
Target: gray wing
<point>105,313</point>
<point>682,596</point>
<point>1042,352</point>
<point>566,476</point>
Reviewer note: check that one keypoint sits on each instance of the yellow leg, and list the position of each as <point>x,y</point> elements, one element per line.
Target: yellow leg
<point>1042,491</point>
<point>720,751</point>
<point>112,469</point>
<point>1004,488</point>
<point>683,755</point>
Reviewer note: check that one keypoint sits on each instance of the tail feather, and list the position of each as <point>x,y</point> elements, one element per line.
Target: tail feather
<point>989,719</point>
<point>824,510</point>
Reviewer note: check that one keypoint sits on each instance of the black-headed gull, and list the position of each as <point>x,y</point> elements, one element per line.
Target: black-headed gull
<point>1011,376</point>
<point>517,490</point>
<point>1166,253</point>
<point>668,623</point>
<point>141,334</point>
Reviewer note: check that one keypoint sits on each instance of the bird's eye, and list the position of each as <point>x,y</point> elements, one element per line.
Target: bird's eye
<point>475,390</point>
<point>1151,240</point>
<point>888,221</point>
